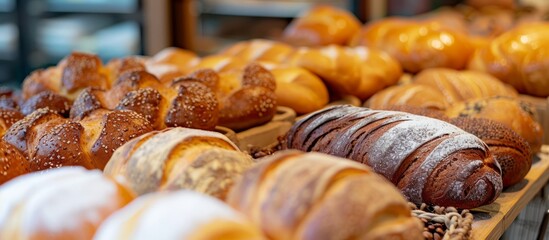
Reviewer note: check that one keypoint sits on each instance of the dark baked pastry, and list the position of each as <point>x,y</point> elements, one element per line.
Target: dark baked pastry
<point>508,148</point>
<point>429,160</point>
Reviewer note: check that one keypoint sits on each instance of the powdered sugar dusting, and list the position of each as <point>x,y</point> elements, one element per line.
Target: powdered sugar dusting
<point>463,140</point>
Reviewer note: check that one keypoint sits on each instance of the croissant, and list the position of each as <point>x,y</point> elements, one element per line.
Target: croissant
<point>177,215</point>
<point>416,45</point>
<point>185,103</point>
<point>178,158</point>
<point>47,140</point>
<point>63,203</point>
<point>295,195</point>
<point>429,160</point>
<point>358,71</point>
<point>518,57</point>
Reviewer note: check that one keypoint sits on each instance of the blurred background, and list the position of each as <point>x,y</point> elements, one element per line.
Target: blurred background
<point>38,33</point>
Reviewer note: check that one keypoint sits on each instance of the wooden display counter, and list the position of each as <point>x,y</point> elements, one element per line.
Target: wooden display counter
<point>492,220</point>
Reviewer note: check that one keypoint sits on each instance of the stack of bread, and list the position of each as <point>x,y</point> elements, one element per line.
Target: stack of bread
<point>126,149</point>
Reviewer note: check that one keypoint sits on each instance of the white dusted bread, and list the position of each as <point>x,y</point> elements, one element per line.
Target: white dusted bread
<point>177,215</point>
<point>296,195</point>
<point>62,203</point>
<point>179,158</point>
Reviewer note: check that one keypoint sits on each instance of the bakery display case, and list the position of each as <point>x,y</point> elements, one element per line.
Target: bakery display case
<point>260,119</point>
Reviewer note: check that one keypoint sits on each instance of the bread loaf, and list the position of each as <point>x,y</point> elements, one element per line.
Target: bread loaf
<point>177,215</point>
<point>295,195</point>
<point>47,140</point>
<point>416,45</point>
<point>422,111</point>
<point>65,203</point>
<point>358,71</point>
<point>509,149</point>
<point>415,95</point>
<point>246,97</point>
<point>459,86</point>
<point>74,73</point>
<point>180,58</point>
<point>260,50</point>
<point>429,160</point>
<point>178,158</point>
<point>321,25</point>
<point>518,57</point>
<point>186,103</point>
<point>511,112</point>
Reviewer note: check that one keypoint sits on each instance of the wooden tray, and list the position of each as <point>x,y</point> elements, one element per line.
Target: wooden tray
<point>492,220</point>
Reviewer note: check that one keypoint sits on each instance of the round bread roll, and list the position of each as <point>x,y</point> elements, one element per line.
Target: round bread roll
<point>458,86</point>
<point>178,158</point>
<point>321,25</point>
<point>63,203</point>
<point>408,94</point>
<point>260,50</point>
<point>417,45</point>
<point>299,89</point>
<point>511,112</point>
<point>357,71</point>
<point>518,57</point>
<point>295,195</point>
<point>508,148</point>
<point>177,215</point>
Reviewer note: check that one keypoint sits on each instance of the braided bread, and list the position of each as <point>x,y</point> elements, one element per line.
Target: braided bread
<point>358,71</point>
<point>416,45</point>
<point>518,57</point>
<point>184,103</point>
<point>177,215</point>
<point>64,203</point>
<point>429,160</point>
<point>295,195</point>
<point>47,140</point>
<point>178,158</point>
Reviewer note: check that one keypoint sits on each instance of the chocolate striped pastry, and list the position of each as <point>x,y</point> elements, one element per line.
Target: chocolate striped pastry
<point>429,160</point>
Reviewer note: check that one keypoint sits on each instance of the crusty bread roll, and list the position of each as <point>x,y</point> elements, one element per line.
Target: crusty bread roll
<point>47,140</point>
<point>299,89</point>
<point>72,74</point>
<point>186,103</point>
<point>260,50</point>
<point>64,203</point>
<point>12,161</point>
<point>7,118</point>
<point>321,25</point>
<point>429,160</point>
<point>458,86</point>
<point>295,195</point>
<point>358,71</point>
<point>518,57</point>
<point>178,158</point>
<point>508,148</point>
<point>408,94</point>
<point>177,215</point>
<point>511,112</point>
<point>54,102</point>
<point>417,45</point>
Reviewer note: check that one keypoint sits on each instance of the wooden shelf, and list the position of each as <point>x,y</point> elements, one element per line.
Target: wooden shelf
<point>492,220</point>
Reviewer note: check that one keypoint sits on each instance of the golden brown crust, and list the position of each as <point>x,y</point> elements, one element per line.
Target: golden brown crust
<point>13,163</point>
<point>322,25</point>
<point>417,45</point>
<point>458,86</point>
<point>120,66</point>
<point>295,195</point>
<point>195,106</point>
<point>7,118</point>
<point>422,111</point>
<point>180,58</point>
<point>358,71</point>
<point>408,94</point>
<point>260,50</point>
<point>518,58</point>
<point>47,99</point>
<point>509,149</point>
<point>511,112</point>
<point>83,70</point>
<point>42,80</point>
